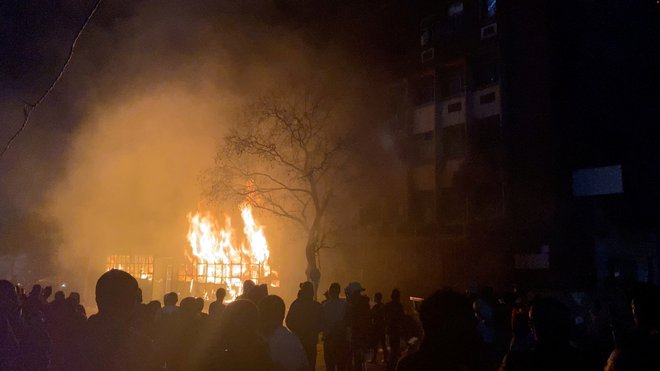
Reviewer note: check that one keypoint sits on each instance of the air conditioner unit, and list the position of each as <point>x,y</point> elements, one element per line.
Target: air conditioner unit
<point>428,55</point>
<point>488,31</point>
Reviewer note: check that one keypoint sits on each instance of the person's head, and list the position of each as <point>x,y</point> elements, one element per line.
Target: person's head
<point>353,290</point>
<point>333,291</point>
<point>646,308</point>
<point>170,299</point>
<point>447,315</point>
<point>551,321</point>
<point>220,294</point>
<point>75,297</point>
<point>199,305</point>
<point>153,306</point>
<point>257,293</point>
<point>116,294</point>
<point>46,292</point>
<point>188,306</point>
<point>271,313</point>
<point>139,295</point>
<point>239,320</point>
<point>247,286</point>
<point>378,297</point>
<point>35,292</point>
<point>306,290</point>
<point>59,296</point>
<point>396,295</point>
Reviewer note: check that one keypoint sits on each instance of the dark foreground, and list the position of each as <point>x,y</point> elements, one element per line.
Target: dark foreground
<point>616,329</point>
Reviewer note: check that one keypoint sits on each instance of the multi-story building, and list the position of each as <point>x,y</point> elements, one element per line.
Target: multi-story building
<point>496,125</point>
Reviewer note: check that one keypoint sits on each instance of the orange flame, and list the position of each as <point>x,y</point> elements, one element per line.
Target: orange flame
<point>218,261</point>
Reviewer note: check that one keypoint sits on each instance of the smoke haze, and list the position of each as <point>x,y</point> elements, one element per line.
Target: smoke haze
<point>114,155</point>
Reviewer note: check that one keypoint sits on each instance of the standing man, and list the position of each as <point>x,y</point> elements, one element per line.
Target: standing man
<point>359,324</point>
<point>285,349</point>
<point>378,327</point>
<point>216,308</point>
<point>394,317</point>
<point>335,343</point>
<point>304,320</point>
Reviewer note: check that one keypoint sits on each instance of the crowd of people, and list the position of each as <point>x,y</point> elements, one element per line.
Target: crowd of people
<point>449,331</point>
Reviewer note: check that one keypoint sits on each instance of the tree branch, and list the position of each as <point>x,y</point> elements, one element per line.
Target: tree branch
<point>29,108</point>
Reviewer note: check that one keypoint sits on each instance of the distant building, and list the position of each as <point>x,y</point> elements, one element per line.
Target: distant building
<point>502,128</point>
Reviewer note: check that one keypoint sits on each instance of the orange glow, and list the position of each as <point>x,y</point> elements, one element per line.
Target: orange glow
<point>217,259</point>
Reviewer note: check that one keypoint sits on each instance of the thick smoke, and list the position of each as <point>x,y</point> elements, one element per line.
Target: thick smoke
<point>114,156</point>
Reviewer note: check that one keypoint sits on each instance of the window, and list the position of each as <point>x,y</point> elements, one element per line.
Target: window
<point>488,8</point>
<point>454,107</point>
<point>455,9</point>
<point>138,266</point>
<point>424,148</point>
<point>491,7</point>
<point>487,98</point>
<point>423,90</point>
<point>425,37</point>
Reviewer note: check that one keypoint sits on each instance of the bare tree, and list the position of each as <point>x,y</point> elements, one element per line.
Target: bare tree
<point>287,157</point>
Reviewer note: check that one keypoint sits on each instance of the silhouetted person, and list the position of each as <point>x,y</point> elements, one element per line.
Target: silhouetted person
<point>451,341</point>
<point>335,343</point>
<point>522,339</point>
<point>642,350</point>
<point>238,346</point>
<point>169,304</point>
<point>35,342</point>
<point>378,327</point>
<point>358,319</point>
<point>59,298</point>
<point>188,327</point>
<point>248,285</point>
<point>304,320</point>
<point>394,319</point>
<point>199,307</point>
<point>109,343</point>
<point>551,324</point>
<point>33,302</point>
<point>74,302</point>
<point>216,308</point>
<point>286,351</point>
<point>257,293</point>
<point>10,323</point>
<point>45,294</point>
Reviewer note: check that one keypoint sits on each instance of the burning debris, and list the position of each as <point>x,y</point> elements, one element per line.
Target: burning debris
<point>215,258</point>
<point>219,260</point>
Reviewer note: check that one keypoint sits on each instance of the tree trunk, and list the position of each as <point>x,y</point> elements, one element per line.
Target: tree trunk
<point>312,272</point>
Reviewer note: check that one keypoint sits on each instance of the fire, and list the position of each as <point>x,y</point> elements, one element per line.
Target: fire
<point>217,259</point>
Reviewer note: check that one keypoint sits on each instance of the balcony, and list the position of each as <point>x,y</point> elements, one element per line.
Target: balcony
<point>452,111</point>
<point>486,102</point>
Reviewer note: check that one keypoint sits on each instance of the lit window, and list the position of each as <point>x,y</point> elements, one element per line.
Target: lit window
<point>491,7</point>
<point>455,9</point>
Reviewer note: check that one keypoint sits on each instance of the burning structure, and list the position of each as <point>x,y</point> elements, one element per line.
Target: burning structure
<point>215,257</point>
